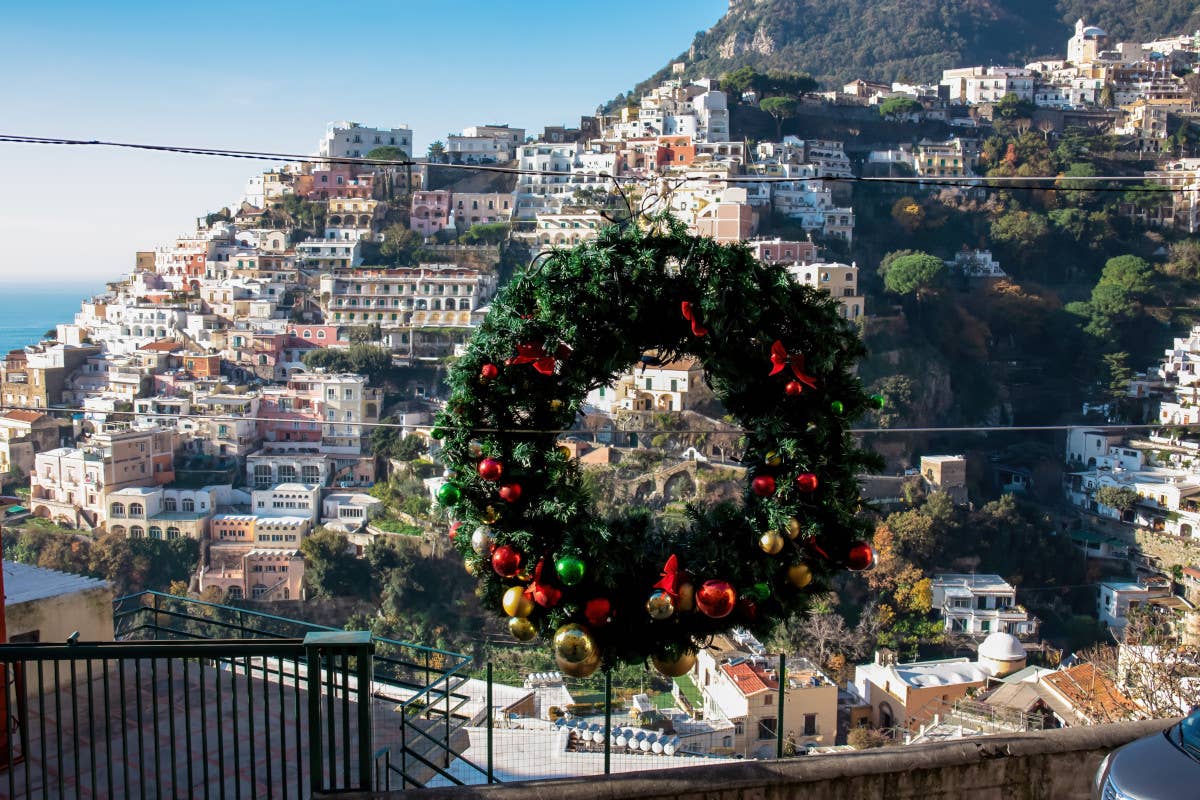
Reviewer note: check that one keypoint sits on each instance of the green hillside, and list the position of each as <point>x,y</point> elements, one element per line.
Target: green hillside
<point>911,39</point>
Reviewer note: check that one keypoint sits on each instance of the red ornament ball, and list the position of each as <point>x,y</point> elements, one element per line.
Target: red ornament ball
<point>490,469</point>
<point>860,557</point>
<point>716,599</point>
<point>510,492</point>
<point>793,388</point>
<point>454,530</point>
<point>807,482</point>
<point>598,611</point>
<point>489,372</point>
<point>763,486</point>
<point>506,560</point>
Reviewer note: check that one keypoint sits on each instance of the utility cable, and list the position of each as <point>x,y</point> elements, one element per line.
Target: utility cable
<point>982,182</point>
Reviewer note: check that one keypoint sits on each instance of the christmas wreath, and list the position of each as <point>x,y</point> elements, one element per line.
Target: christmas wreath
<point>777,355</point>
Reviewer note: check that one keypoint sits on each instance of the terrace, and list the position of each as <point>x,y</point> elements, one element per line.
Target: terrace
<point>199,699</point>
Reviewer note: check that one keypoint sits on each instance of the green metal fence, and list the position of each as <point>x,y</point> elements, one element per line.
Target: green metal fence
<point>221,718</point>
<point>425,685</point>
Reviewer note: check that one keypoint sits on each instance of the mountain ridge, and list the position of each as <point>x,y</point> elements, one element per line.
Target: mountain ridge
<point>911,40</point>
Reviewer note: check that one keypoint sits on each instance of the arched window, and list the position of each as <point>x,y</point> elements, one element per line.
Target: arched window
<point>172,532</point>
<point>234,593</point>
<point>137,532</point>
<point>136,509</point>
<point>189,504</point>
<point>117,509</point>
<point>170,504</point>
<point>155,532</point>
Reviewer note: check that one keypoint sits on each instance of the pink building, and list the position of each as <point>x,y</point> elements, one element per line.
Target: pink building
<point>340,180</point>
<point>320,335</point>
<point>430,211</point>
<point>730,219</point>
<point>778,251</point>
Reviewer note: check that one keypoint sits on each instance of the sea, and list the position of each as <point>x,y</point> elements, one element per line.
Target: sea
<point>28,310</point>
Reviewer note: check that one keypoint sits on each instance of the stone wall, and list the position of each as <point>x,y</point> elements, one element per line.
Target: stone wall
<point>1057,764</point>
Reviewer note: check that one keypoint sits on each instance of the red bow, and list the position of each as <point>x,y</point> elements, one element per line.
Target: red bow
<point>689,313</point>
<point>543,594</point>
<point>670,578</point>
<point>781,359</point>
<point>536,354</point>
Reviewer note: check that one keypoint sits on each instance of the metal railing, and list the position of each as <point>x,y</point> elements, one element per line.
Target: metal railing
<point>221,718</point>
<point>425,685</point>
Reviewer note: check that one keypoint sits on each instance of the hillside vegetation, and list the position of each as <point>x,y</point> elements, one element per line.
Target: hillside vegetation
<point>911,39</point>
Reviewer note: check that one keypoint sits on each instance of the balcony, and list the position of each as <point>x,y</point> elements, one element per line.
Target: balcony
<point>178,706</point>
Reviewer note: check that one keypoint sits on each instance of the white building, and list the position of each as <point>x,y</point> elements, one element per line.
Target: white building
<point>976,264</point>
<point>981,604</point>
<point>345,139</point>
<point>349,511</point>
<point>1118,598</point>
<point>663,387</point>
<point>287,500</point>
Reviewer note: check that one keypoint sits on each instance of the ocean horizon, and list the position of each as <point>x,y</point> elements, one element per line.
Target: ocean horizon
<point>28,310</point>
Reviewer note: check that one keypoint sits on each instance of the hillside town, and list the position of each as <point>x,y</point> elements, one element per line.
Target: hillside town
<point>273,374</point>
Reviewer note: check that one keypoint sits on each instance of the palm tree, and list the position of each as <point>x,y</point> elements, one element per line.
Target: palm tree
<point>437,152</point>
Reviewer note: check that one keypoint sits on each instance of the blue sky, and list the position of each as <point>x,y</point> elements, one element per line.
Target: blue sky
<point>268,76</point>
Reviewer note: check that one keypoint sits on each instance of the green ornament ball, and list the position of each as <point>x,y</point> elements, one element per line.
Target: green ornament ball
<point>837,407</point>
<point>759,591</point>
<point>449,494</point>
<point>570,570</point>
<point>438,433</point>
<point>878,401</point>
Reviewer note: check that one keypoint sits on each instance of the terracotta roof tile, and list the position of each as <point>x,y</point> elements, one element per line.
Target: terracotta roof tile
<point>21,415</point>
<point>748,678</point>
<point>1091,694</point>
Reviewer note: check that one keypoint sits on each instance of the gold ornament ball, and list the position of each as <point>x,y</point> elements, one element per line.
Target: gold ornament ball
<point>773,458</point>
<point>472,569</point>
<point>575,651</point>
<point>660,605</point>
<point>490,515</point>
<point>556,404</point>
<point>793,528</point>
<point>687,598</point>
<point>564,451</point>
<point>800,575</point>
<point>771,542</point>
<point>521,629</point>
<point>674,668</point>
<point>516,604</point>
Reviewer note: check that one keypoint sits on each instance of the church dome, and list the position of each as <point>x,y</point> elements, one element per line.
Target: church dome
<point>1092,32</point>
<point>1002,647</point>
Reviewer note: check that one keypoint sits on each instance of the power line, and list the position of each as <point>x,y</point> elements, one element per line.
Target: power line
<point>989,182</point>
<point>518,430</point>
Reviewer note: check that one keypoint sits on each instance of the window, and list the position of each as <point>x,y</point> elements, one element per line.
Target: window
<point>136,509</point>
<point>155,532</point>
<point>172,533</point>
<point>170,504</point>
<point>767,728</point>
<point>137,532</point>
<point>117,509</point>
<point>768,699</point>
<point>737,728</point>
<point>810,724</point>
<point>189,504</point>
<point>649,383</point>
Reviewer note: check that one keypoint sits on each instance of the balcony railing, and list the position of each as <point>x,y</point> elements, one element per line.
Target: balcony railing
<point>286,717</point>
<point>200,699</point>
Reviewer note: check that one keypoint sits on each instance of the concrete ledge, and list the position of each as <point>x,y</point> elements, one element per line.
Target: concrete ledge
<point>1057,764</point>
